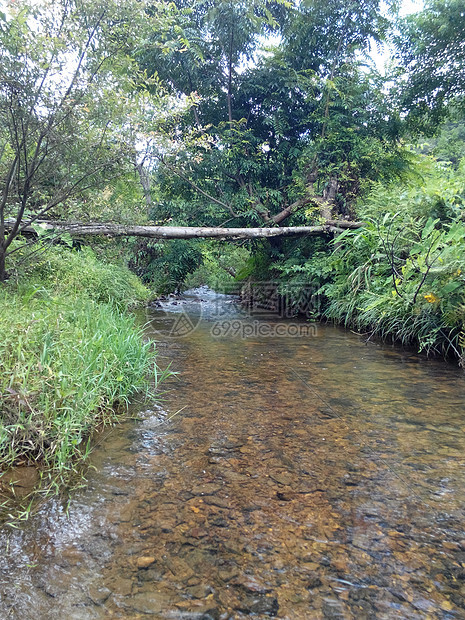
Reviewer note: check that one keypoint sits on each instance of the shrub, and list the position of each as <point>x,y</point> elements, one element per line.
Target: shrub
<point>80,273</point>
<point>402,276</point>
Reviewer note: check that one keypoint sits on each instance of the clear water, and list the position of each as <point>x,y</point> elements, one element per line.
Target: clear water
<point>288,477</point>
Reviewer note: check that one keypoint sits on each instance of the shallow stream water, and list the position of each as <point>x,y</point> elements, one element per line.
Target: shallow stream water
<point>283,475</point>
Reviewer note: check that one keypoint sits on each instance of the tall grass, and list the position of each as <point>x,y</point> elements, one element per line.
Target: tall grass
<point>81,274</point>
<point>70,358</point>
<point>401,277</point>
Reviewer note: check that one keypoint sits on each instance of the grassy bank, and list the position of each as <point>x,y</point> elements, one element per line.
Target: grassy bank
<point>70,357</point>
<point>401,277</point>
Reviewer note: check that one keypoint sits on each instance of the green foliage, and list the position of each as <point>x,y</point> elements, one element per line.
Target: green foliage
<point>432,55</point>
<point>67,362</point>
<point>71,100</point>
<point>80,274</point>
<point>204,39</point>
<point>402,276</point>
<point>434,191</point>
<point>448,145</point>
<point>275,127</point>
<point>166,264</point>
<point>222,264</point>
<point>322,33</point>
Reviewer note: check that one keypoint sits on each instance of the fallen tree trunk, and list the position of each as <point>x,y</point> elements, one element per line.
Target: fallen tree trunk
<point>183,232</point>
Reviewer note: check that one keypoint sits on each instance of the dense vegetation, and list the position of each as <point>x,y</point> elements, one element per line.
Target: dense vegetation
<point>308,130</point>
<point>218,112</point>
<point>70,357</point>
<point>401,276</point>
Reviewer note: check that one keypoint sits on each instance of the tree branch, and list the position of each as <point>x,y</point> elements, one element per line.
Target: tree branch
<point>181,232</point>
<point>195,186</point>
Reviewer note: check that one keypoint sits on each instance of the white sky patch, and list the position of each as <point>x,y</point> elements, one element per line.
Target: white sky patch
<point>410,6</point>
<point>382,55</point>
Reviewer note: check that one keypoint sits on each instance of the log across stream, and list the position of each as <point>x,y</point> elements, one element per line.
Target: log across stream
<point>285,474</point>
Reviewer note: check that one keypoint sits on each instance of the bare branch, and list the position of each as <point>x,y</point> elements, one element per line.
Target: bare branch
<point>181,232</point>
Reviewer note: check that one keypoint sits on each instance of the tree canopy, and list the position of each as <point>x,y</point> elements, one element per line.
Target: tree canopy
<point>289,128</point>
<point>263,113</point>
<point>431,50</point>
<point>67,83</point>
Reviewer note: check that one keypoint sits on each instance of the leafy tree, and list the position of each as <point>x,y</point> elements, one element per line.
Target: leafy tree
<point>65,77</point>
<point>432,56</point>
<point>206,49</point>
<point>293,130</point>
<point>448,145</point>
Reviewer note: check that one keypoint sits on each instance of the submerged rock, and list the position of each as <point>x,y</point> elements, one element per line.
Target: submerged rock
<point>145,561</point>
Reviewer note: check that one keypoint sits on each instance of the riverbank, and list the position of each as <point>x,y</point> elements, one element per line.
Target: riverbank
<point>71,357</point>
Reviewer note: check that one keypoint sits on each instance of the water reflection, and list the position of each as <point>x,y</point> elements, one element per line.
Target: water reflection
<point>303,478</point>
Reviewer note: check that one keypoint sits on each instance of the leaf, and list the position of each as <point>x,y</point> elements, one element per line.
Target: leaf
<point>451,287</point>
<point>41,229</point>
<point>67,239</point>
<point>429,227</point>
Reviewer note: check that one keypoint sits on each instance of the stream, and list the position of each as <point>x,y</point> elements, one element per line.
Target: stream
<point>290,471</point>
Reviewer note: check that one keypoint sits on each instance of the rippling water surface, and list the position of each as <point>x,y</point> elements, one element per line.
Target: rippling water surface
<point>311,477</point>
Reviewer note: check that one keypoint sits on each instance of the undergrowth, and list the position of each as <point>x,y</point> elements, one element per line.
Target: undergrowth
<point>82,274</point>
<point>70,359</point>
<point>402,276</point>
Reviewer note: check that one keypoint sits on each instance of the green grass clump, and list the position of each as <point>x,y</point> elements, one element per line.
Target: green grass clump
<point>70,357</point>
<point>66,365</point>
<point>81,274</point>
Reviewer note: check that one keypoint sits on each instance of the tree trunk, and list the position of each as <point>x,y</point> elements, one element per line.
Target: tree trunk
<point>329,197</point>
<point>2,263</point>
<point>144,177</point>
<point>186,232</point>
<point>230,114</point>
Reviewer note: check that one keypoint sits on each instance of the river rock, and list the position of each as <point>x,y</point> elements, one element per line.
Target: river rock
<point>266,605</point>
<point>216,451</point>
<point>234,547</point>
<point>121,587</point>
<point>150,602</point>
<point>228,573</point>
<point>98,595</point>
<point>70,557</point>
<point>284,478</point>
<point>199,610</point>
<point>232,444</point>
<point>55,589</point>
<point>313,581</point>
<point>209,488</point>
<point>145,561</point>
<point>179,568</point>
<point>199,591</point>
<point>250,585</point>
<point>220,502</point>
<point>198,532</point>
